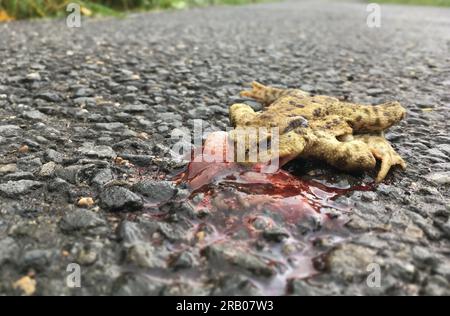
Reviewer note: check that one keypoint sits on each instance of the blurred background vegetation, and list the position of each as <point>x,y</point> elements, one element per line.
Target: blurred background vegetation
<point>20,9</point>
<point>421,2</point>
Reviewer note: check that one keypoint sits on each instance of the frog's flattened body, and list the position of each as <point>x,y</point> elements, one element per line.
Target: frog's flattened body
<point>322,127</point>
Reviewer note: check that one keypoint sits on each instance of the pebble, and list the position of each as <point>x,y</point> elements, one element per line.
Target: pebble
<point>86,202</point>
<point>84,221</point>
<point>48,169</point>
<point>35,115</point>
<point>9,168</point>
<point>53,155</point>
<point>36,259</point>
<point>138,284</point>
<point>275,234</point>
<point>135,108</point>
<point>102,177</point>
<point>34,76</point>
<point>375,91</point>
<point>434,152</point>
<point>14,188</point>
<point>10,130</point>
<point>29,164</point>
<point>24,149</point>
<point>184,260</point>
<point>236,256</point>
<point>116,199</point>
<point>87,257</point>
<point>8,250</point>
<point>101,152</point>
<point>26,285</point>
<point>443,269</point>
<point>156,191</point>
<point>83,92</point>
<point>49,96</point>
<point>130,233</point>
<point>110,126</point>
<point>19,176</point>
<point>446,229</point>
<point>444,148</point>
<point>350,260</point>
<point>439,177</point>
<point>145,255</point>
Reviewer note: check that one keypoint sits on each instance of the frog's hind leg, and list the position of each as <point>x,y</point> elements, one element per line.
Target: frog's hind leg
<point>350,155</point>
<point>266,95</point>
<point>367,118</point>
<point>382,150</point>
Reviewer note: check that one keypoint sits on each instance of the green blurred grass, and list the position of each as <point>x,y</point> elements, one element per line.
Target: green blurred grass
<point>22,9</point>
<point>443,3</point>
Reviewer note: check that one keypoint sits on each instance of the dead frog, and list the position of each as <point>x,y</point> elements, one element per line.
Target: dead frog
<point>347,136</point>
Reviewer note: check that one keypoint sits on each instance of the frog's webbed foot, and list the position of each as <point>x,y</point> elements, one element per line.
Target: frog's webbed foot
<point>382,150</point>
<point>267,95</point>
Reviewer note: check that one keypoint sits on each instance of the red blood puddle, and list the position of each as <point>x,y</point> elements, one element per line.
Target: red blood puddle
<point>282,219</point>
<point>287,222</point>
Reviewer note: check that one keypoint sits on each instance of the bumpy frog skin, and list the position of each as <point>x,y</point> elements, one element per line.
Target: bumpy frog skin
<point>348,136</point>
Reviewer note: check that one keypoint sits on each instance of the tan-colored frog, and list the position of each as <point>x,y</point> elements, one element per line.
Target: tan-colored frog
<point>347,136</point>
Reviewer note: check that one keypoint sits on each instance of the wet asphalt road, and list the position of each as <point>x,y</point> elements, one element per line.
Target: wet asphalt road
<point>73,100</point>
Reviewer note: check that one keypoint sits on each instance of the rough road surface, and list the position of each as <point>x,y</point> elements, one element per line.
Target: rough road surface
<point>88,113</point>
